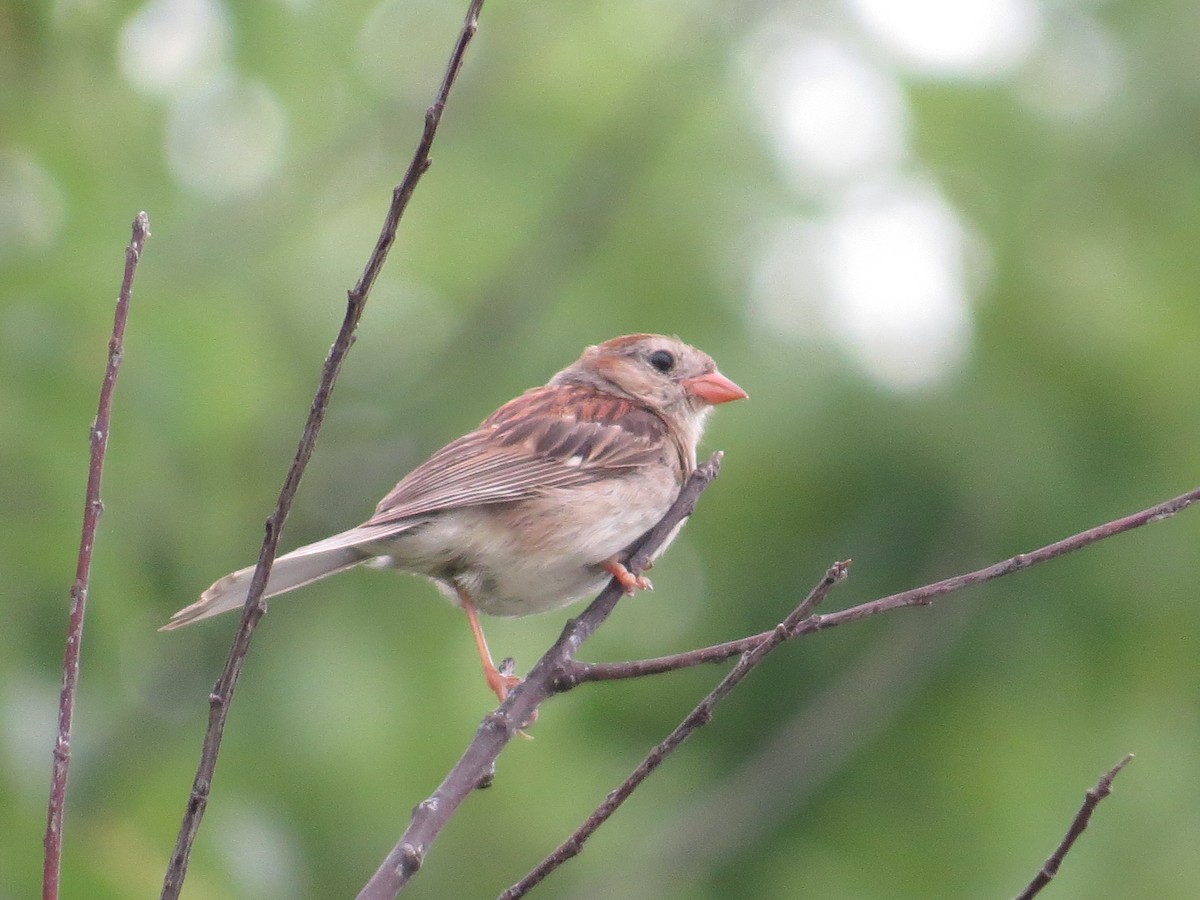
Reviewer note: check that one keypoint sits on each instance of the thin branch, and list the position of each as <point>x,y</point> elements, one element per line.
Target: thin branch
<point>726,820</point>
<point>478,763</point>
<point>93,507</point>
<point>559,671</point>
<point>923,596</point>
<point>1080,823</point>
<point>222,694</point>
<point>580,672</point>
<point>697,718</point>
<point>802,621</point>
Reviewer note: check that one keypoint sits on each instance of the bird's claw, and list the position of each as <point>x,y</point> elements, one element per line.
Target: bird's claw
<point>629,582</point>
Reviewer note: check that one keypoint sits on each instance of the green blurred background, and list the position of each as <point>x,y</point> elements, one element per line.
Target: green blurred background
<point>950,249</point>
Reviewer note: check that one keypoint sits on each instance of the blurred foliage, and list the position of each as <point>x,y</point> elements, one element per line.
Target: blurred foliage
<point>604,167</point>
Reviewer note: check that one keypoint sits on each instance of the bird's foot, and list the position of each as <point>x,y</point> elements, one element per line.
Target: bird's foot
<point>500,682</point>
<point>629,582</point>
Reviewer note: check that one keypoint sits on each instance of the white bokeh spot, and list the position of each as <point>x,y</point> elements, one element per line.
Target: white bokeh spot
<point>833,115</point>
<point>33,205</point>
<point>956,38</point>
<point>886,276</point>
<point>1078,68</point>
<point>261,855</point>
<point>226,139</point>
<point>413,25</point>
<point>898,284</point>
<point>173,45</point>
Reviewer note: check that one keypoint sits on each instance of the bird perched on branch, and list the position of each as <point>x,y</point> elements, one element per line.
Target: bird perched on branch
<point>538,506</point>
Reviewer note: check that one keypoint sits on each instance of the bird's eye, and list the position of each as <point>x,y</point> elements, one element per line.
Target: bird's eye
<point>663,360</point>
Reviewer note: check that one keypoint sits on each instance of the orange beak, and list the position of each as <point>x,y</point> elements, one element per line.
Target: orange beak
<point>714,388</point>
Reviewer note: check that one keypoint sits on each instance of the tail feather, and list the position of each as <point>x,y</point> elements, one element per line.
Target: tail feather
<point>296,569</point>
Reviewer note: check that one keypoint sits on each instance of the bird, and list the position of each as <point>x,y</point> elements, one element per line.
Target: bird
<point>540,504</point>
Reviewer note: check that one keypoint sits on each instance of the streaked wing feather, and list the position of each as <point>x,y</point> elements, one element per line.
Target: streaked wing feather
<point>551,437</point>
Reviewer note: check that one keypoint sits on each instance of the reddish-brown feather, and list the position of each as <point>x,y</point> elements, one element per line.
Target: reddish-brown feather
<point>550,437</point>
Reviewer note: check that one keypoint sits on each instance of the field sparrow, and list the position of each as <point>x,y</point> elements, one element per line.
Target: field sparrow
<point>537,507</point>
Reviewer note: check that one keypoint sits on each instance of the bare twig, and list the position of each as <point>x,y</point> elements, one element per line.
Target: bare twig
<point>697,718</point>
<point>356,297</point>
<point>92,509</point>
<point>922,596</point>
<point>477,764</point>
<point>725,820</point>
<point>801,621</point>
<point>559,671</point>
<point>1080,823</point>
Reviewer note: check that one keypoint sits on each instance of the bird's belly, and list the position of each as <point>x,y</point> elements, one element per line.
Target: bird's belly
<point>534,555</point>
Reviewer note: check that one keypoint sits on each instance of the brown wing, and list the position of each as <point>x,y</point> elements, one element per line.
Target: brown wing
<point>550,437</point>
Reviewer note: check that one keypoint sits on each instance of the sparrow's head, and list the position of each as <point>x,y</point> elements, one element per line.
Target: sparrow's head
<point>672,378</point>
